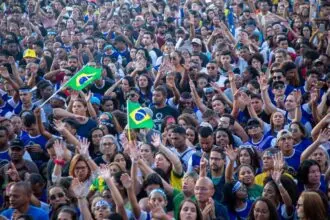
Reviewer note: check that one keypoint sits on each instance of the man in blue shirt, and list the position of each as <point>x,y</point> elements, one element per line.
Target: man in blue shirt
<point>19,200</point>
<point>284,142</point>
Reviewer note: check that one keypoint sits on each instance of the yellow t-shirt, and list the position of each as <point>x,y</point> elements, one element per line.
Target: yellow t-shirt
<point>176,180</point>
<point>260,178</point>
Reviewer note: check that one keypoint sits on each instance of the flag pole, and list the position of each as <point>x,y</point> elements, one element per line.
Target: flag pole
<point>60,88</point>
<point>128,126</point>
<point>47,100</point>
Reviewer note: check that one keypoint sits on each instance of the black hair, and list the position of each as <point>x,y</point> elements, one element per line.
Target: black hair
<point>130,81</point>
<point>69,210</point>
<point>25,217</point>
<point>161,89</point>
<point>303,170</point>
<point>36,178</point>
<point>29,119</point>
<point>256,56</point>
<point>153,178</point>
<point>231,118</point>
<point>273,215</point>
<point>229,133</point>
<point>205,132</point>
<point>126,157</point>
<point>229,197</point>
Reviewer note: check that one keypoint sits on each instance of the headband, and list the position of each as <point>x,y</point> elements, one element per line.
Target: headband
<point>102,203</point>
<point>160,191</point>
<point>237,186</point>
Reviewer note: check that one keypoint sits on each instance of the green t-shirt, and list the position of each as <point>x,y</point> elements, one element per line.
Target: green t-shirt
<point>254,192</point>
<point>178,197</point>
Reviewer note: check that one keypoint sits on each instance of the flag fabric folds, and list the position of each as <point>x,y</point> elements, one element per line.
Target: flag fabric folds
<point>138,117</point>
<point>84,77</point>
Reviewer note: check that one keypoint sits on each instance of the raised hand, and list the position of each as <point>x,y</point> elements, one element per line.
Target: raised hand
<point>156,142</point>
<point>83,148</point>
<point>276,176</point>
<point>126,181</point>
<point>216,87</point>
<point>74,95</point>
<point>37,112</point>
<point>231,152</point>
<point>279,162</point>
<point>4,72</point>
<point>262,80</point>
<point>59,149</point>
<point>157,211</point>
<point>13,173</point>
<point>297,96</point>
<point>231,76</point>
<point>323,136</point>
<point>245,99</point>
<point>104,172</point>
<point>59,125</point>
<point>78,188</point>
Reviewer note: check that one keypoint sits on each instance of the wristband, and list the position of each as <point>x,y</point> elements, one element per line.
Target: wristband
<point>59,162</point>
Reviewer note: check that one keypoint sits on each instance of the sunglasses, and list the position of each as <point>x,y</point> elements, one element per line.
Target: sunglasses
<point>279,87</point>
<point>277,77</point>
<point>131,95</point>
<point>58,195</point>
<point>210,67</point>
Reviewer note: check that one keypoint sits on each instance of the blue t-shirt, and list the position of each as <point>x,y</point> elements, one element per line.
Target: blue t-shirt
<point>303,144</point>
<point>84,129</point>
<point>262,145</point>
<point>241,214</point>
<point>36,213</point>
<point>293,161</point>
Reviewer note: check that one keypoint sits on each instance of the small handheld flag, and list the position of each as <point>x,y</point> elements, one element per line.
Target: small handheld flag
<point>84,77</point>
<point>138,117</point>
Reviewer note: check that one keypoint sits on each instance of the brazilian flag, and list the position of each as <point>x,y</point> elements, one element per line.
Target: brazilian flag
<point>84,77</point>
<point>138,117</point>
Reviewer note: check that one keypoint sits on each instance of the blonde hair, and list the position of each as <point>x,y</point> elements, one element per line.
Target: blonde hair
<point>313,206</point>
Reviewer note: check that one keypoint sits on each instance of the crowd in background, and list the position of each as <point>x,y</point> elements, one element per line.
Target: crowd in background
<point>238,90</point>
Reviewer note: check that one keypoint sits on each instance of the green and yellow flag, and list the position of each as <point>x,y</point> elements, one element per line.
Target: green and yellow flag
<point>84,77</point>
<point>138,116</point>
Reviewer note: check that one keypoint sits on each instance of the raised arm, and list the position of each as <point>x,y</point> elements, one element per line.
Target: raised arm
<point>78,189</point>
<point>319,126</point>
<point>70,138</point>
<point>90,107</point>
<point>127,183</point>
<point>276,176</point>
<point>43,131</point>
<point>175,160</point>
<point>232,155</point>
<point>199,103</point>
<point>112,88</point>
<point>172,86</point>
<point>116,196</point>
<point>269,106</point>
<point>83,150</point>
<point>220,92</point>
<point>322,138</point>
<point>146,170</point>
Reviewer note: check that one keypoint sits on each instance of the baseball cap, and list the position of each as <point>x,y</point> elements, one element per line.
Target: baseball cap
<point>282,134</point>
<point>29,53</point>
<point>318,61</point>
<point>196,41</point>
<point>16,143</point>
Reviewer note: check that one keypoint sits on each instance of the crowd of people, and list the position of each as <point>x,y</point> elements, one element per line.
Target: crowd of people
<point>238,90</point>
